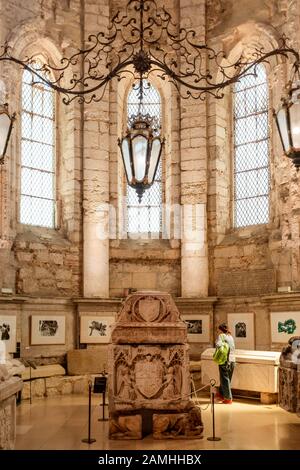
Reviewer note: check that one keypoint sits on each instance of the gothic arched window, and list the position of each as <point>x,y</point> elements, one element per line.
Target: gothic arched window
<point>37,204</point>
<point>251,149</point>
<point>145,216</point>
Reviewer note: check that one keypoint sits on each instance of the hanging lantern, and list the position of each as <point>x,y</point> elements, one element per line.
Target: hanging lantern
<point>288,124</point>
<point>141,150</point>
<point>6,125</point>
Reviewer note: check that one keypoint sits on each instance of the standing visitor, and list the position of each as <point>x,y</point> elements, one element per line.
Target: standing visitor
<point>226,369</point>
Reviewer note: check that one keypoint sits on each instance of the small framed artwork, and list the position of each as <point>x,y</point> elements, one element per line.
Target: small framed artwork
<point>95,329</point>
<point>284,325</point>
<point>241,326</point>
<point>48,329</point>
<point>8,328</point>
<point>197,328</point>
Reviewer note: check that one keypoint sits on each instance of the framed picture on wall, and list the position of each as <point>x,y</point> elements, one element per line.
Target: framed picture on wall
<point>197,328</point>
<point>284,325</point>
<point>8,330</point>
<point>241,326</point>
<point>48,329</point>
<point>95,329</point>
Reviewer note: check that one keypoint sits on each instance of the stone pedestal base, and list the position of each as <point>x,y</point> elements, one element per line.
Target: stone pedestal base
<point>165,425</point>
<point>268,398</point>
<point>288,379</point>
<point>289,376</point>
<point>8,390</point>
<point>125,427</point>
<point>7,423</point>
<point>178,425</point>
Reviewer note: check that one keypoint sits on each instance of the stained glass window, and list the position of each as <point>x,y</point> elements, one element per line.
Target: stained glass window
<point>37,206</point>
<point>251,149</point>
<point>145,216</point>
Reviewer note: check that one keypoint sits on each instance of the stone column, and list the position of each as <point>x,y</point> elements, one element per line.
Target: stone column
<point>194,259</point>
<point>96,175</point>
<point>7,213</point>
<point>96,261</point>
<point>194,255</point>
<point>7,81</point>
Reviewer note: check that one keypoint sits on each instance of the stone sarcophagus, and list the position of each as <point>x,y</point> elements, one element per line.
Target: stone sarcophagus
<point>149,380</point>
<point>289,376</point>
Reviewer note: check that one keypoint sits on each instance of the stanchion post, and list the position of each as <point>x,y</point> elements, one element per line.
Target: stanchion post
<point>32,365</point>
<point>100,387</point>
<point>212,396</point>
<point>89,440</point>
<point>103,406</point>
<point>30,400</point>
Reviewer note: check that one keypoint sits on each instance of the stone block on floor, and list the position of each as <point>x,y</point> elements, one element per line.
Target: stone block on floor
<point>86,361</point>
<point>38,389</point>
<point>268,398</point>
<point>51,370</point>
<point>178,425</point>
<point>56,386</point>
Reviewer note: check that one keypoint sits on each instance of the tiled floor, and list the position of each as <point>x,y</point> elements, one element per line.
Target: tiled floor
<point>61,423</point>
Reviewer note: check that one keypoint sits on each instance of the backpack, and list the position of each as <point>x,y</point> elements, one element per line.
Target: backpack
<point>222,352</point>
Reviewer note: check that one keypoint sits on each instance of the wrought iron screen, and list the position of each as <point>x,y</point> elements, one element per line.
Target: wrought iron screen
<point>251,149</point>
<point>145,216</point>
<point>37,206</point>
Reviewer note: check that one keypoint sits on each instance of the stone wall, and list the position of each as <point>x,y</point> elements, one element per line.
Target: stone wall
<point>47,268</point>
<point>150,265</point>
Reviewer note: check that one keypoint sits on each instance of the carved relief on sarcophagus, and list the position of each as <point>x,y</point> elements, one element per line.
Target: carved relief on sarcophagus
<point>148,361</point>
<point>149,318</point>
<point>149,376</point>
<point>289,376</point>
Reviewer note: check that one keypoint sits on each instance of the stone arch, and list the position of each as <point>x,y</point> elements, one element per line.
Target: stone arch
<point>25,38</point>
<point>249,35</point>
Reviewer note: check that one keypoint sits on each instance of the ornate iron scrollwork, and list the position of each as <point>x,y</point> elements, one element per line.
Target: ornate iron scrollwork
<point>139,41</point>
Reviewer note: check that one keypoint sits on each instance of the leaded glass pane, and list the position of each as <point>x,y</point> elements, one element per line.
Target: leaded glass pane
<point>37,100</point>
<point>36,211</point>
<point>145,216</point>
<point>151,100</point>
<point>48,106</point>
<point>37,205</point>
<point>251,145</point>
<point>27,97</point>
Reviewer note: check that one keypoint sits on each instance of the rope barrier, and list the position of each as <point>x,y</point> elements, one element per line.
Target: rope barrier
<point>194,392</point>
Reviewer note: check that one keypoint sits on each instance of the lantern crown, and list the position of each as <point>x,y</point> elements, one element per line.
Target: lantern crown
<point>287,119</point>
